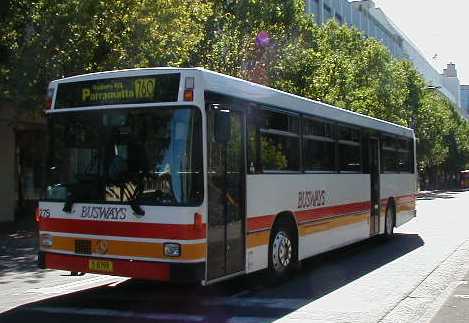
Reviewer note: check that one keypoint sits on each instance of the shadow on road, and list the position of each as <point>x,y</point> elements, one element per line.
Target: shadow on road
<point>18,252</point>
<point>251,296</point>
<point>440,194</point>
<point>324,274</point>
<point>18,258</point>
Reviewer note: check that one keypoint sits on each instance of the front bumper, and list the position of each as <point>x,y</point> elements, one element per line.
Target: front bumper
<point>168,272</point>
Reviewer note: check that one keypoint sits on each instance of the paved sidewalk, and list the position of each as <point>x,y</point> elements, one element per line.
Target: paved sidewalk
<point>439,194</point>
<point>456,307</point>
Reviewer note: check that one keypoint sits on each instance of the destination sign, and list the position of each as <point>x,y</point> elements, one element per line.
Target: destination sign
<point>142,89</point>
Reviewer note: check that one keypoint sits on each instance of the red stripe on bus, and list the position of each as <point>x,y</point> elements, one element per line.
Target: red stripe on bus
<point>125,229</point>
<point>327,212</point>
<point>127,268</point>
<point>406,198</point>
<point>260,222</point>
<point>266,221</point>
<point>400,199</point>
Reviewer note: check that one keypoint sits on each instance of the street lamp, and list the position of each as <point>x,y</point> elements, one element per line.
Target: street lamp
<point>432,87</point>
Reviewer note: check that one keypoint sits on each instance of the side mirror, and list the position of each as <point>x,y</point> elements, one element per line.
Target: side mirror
<point>222,125</point>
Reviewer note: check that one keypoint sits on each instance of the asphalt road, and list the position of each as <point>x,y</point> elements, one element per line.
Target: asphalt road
<point>402,280</point>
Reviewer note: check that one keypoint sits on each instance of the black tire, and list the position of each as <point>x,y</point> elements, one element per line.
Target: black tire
<point>283,250</point>
<point>390,221</point>
<point>76,273</point>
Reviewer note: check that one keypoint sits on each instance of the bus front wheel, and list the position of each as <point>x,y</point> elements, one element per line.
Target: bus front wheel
<point>283,252</point>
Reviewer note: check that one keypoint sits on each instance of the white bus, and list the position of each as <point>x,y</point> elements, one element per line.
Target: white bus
<point>190,175</point>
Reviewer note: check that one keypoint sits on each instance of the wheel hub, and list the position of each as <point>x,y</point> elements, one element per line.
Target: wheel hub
<point>388,221</point>
<point>281,251</point>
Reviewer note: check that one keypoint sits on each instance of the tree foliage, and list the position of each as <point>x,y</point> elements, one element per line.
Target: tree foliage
<point>43,40</point>
<point>48,39</point>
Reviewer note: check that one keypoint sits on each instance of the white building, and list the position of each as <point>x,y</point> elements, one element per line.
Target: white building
<point>465,98</point>
<point>372,21</point>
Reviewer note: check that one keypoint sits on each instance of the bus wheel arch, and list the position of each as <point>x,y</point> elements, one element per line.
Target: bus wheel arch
<point>390,218</point>
<point>283,248</point>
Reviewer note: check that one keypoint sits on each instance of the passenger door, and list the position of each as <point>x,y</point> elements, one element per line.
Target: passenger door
<point>226,193</point>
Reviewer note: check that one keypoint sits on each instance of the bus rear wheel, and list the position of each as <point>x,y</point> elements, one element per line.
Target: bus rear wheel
<point>283,253</point>
<point>389,222</point>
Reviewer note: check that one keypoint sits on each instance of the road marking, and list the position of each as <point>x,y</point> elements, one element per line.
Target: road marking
<point>76,286</point>
<point>119,282</point>
<point>118,313</point>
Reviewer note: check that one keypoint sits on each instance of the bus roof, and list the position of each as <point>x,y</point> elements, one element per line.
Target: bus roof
<point>245,90</point>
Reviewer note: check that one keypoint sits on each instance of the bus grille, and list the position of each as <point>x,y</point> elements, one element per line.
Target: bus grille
<point>83,247</point>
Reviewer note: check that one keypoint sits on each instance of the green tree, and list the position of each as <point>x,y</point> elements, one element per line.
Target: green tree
<point>337,65</point>
<point>53,39</point>
<point>230,41</point>
<point>44,40</point>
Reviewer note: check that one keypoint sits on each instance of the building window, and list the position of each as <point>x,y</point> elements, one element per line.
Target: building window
<point>327,12</point>
<point>339,19</point>
<point>315,9</point>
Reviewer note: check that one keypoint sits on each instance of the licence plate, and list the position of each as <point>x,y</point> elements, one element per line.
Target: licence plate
<point>101,265</point>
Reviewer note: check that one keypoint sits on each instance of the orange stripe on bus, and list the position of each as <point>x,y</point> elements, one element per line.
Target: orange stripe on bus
<point>257,239</point>
<point>401,208</point>
<point>265,222</point>
<point>133,249</point>
<point>333,223</point>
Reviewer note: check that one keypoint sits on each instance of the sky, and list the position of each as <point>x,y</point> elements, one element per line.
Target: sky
<point>440,29</point>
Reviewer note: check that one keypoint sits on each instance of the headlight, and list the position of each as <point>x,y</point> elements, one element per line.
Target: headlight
<point>45,240</point>
<point>172,249</point>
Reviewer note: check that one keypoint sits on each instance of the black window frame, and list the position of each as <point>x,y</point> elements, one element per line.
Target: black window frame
<point>252,115</point>
<point>395,149</point>
<point>193,107</point>
<point>358,143</point>
<point>331,139</point>
<point>277,132</point>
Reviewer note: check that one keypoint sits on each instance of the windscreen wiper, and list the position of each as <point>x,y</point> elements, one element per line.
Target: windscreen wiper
<point>136,208</point>
<point>68,204</point>
<point>134,205</point>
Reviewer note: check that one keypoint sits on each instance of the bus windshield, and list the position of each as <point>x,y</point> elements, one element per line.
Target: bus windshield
<point>152,156</point>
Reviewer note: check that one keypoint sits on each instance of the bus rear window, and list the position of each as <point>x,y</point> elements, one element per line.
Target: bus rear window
<point>128,90</point>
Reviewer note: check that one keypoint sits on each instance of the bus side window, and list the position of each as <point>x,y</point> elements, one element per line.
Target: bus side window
<point>349,146</point>
<point>389,157</point>
<point>279,137</point>
<point>404,156</point>
<point>318,145</point>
